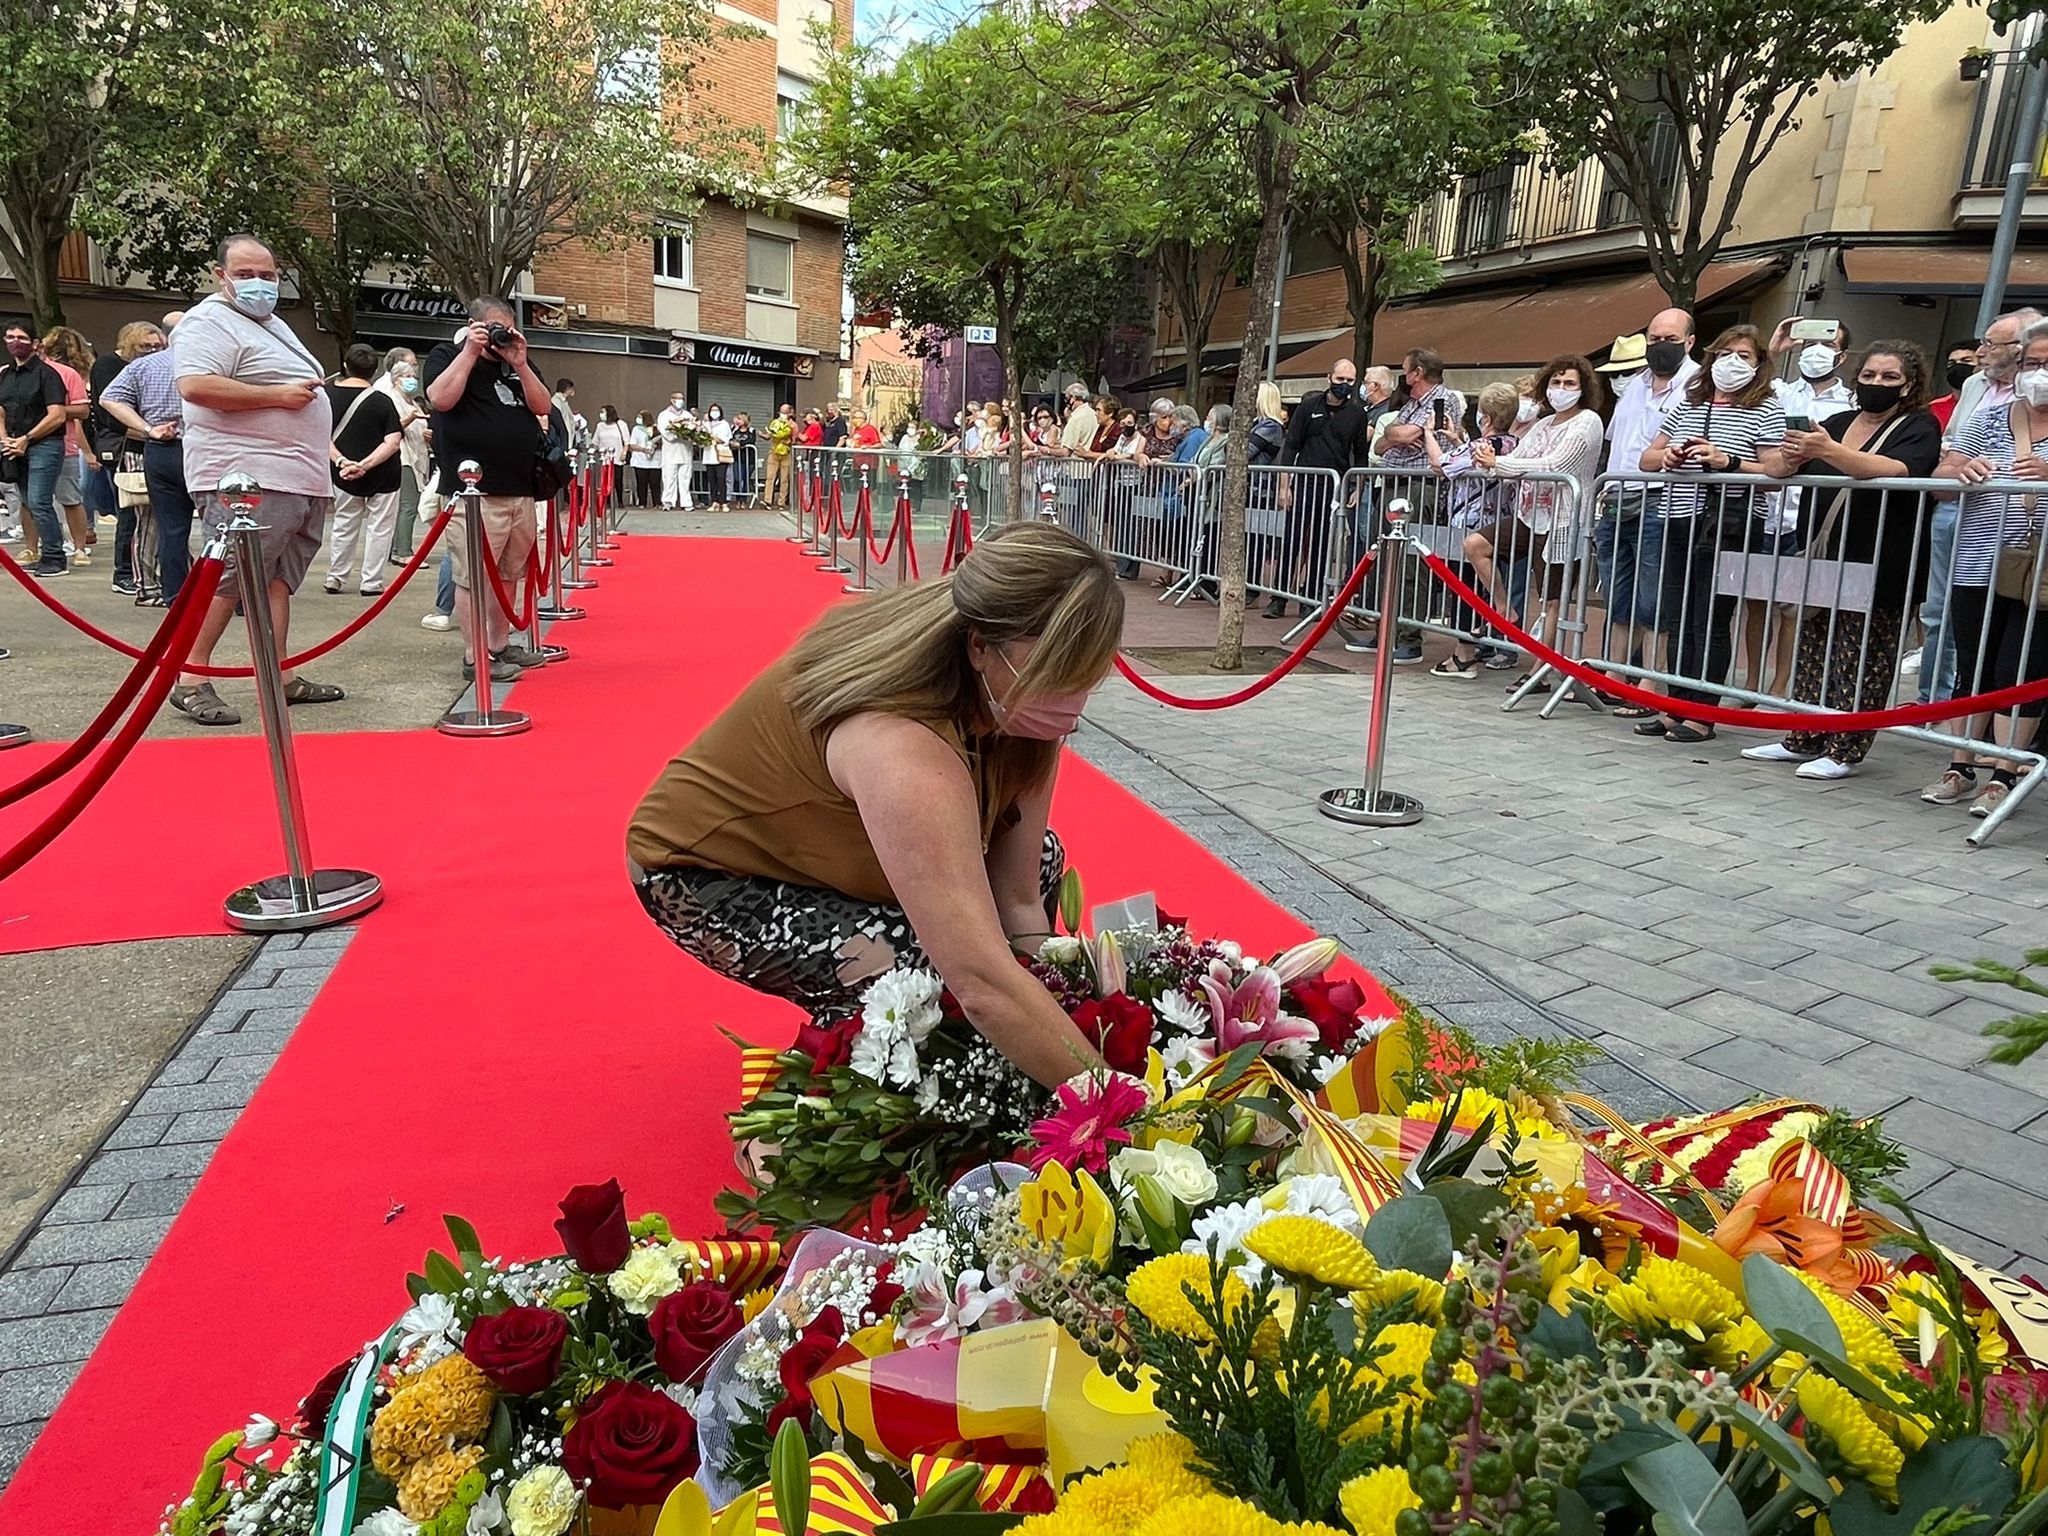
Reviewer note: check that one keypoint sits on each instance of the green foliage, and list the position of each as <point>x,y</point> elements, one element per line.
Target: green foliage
<point>1860,1149</point>
<point>1448,1058</point>
<point>1942,1479</point>
<point>2021,1034</point>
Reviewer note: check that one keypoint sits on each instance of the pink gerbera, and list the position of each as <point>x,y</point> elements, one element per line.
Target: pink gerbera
<point>1090,1120</point>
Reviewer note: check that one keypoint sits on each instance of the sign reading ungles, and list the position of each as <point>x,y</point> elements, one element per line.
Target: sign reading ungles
<point>740,357</point>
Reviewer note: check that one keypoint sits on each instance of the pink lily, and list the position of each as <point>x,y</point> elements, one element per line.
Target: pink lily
<point>1250,1011</point>
<point>1311,957</point>
<point>1110,973</point>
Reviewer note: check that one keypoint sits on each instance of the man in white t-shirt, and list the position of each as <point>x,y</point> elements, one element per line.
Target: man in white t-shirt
<point>252,405</point>
<point>1628,540</point>
<point>676,457</point>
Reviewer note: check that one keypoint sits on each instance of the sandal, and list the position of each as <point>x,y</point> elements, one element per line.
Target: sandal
<point>1634,712</point>
<point>300,691</point>
<point>203,706</point>
<point>1654,726</point>
<point>1687,735</point>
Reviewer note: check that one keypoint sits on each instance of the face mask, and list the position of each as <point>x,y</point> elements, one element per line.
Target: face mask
<point>716,414</point>
<point>676,404</point>
<point>2032,387</point>
<point>1340,389</point>
<point>1733,373</point>
<point>1666,357</point>
<point>1818,361</point>
<point>20,351</point>
<point>1960,374</point>
<point>255,297</point>
<point>1560,398</point>
<point>1050,717</point>
<point>1876,399</point>
<point>409,384</point>
<point>1525,413</point>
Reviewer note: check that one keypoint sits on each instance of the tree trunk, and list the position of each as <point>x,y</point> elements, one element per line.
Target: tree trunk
<point>1008,299</point>
<point>32,256</point>
<point>1251,361</point>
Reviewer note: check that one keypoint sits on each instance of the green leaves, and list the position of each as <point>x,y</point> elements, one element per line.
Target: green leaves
<point>1414,1233</point>
<point>1687,1495</point>
<point>1967,1475</point>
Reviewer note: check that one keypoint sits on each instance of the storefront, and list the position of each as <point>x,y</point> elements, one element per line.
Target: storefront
<point>742,376</point>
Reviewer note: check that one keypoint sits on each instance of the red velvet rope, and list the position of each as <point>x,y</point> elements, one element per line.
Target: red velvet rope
<point>959,538</point>
<point>347,632</point>
<point>79,750</point>
<point>1800,721</point>
<point>1294,659</point>
<point>205,573</point>
<point>835,505</point>
<point>529,579</point>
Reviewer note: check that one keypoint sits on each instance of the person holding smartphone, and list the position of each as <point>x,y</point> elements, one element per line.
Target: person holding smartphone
<point>1729,423</point>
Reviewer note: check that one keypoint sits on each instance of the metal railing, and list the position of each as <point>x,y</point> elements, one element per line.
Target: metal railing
<point>1529,200</point>
<point>1994,124</point>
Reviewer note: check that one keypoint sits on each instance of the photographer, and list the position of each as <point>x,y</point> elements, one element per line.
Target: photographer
<point>487,404</point>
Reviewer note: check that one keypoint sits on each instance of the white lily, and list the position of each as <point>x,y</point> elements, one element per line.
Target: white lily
<point>1109,965</point>
<point>1310,958</point>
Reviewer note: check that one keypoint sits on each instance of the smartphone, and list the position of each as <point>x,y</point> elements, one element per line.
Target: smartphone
<point>1442,416</point>
<point>1816,330</point>
<point>1800,423</point>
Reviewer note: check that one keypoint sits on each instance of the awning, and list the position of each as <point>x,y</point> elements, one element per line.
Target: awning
<point>1944,269</point>
<point>1527,327</point>
<point>1215,360</point>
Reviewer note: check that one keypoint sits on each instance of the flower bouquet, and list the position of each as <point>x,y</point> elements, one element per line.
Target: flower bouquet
<point>689,432</point>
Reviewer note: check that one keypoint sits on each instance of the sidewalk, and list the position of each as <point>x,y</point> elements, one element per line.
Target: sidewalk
<point>1725,928</point>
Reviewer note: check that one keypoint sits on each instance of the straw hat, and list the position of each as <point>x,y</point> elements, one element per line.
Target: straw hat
<point>1627,353</point>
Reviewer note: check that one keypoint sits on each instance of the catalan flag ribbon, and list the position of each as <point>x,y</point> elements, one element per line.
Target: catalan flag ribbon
<point>841,1505</point>
<point>759,1067</point>
<point>1001,1487</point>
<point>1364,1178</point>
<point>738,1264</point>
<point>1368,1085</point>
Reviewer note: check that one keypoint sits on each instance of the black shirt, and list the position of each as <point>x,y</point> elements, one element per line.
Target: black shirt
<point>1885,528</point>
<point>1322,436</point>
<point>99,426</point>
<point>27,391</point>
<point>375,419</point>
<point>835,431</point>
<point>490,424</point>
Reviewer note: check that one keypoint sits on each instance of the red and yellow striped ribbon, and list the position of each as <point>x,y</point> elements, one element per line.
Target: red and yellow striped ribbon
<point>1366,1085</point>
<point>1000,1487</point>
<point>737,1263</point>
<point>841,1504</point>
<point>1364,1177</point>
<point>759,1067</point>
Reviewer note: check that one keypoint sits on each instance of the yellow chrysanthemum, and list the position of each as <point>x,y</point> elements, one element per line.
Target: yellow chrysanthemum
<point>1115,1500</point>
<point>1834,1410</point>
<point>1310,1528</point>
<point>1211,1514</point>
<point>1064,1522</point>
<point>754,1303</point>
<point>1400,1366</point>
<point>1736,1345</point>
<point>1667,1295</point>
<point>1869,1348</point>
<point>1160,1288</point>
<point>1390,1284</point>
<point>1371,1502</point>
<point>1477,1104</point>
<point>429,1485</point>
<point>1166,1458</point>
<point>1312,1249</point>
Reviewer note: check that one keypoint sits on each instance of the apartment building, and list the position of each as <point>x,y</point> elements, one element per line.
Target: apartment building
<point>1876,210</point>
<point>737,305</point>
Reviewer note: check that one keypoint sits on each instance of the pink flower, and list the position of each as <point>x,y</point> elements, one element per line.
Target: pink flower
<point>1090,1119</point>
<point>1250,1011</point>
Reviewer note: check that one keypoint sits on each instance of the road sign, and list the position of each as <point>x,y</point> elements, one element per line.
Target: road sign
<point>981,335</point>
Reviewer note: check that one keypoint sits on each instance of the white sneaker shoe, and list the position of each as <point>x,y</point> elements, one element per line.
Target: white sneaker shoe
<point>441,623</point>
<point>1773,752</point>
<point>1824,768</point>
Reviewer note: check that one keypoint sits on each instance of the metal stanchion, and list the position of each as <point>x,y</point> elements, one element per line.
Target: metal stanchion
<point>536,617</point>
<point>1370,805</point>
<point>303,896</point>
<point>608,534</point>
<point>575,580</point>
<point>863,531</point>
<point>595,518</point>
<point>1048,502</point>
<point>13,736</point>
<point>554,608</point>
<point>483,720</point>
<point>963,520</point>
<point>796,473</point>
<point>830,504</point>
<point>903,530</point>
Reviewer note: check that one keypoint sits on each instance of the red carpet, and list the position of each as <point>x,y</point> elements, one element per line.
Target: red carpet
<point>506,1025</point>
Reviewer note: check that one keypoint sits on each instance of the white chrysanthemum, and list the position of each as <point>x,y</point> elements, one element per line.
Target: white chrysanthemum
<point>1220,1232</point>
<point>1321,1195</point>
<point>1184,1058</point>
<point>931,1096</point>
<point>386,1522</point>
<point>1290,1050</point>
<point>927,1245</point>
<point>427,1324</point>
<point>647,1275</point>
<point>1327,1067</point>
<point>884,1053</point>
<point>1176,1010</point>
<point>908,1000</point>
<point>486,1516</point>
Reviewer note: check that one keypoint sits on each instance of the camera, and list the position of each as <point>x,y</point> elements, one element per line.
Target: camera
<point>498,332</point>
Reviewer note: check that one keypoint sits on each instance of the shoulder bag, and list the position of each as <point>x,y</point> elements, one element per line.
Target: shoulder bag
<point>2023,568</point>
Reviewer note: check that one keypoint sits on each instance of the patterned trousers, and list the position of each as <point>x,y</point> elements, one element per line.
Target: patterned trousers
<point>1839,672</point>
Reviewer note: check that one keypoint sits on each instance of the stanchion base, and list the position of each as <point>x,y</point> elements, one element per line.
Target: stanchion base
<point>552,614</point>
<point>1389,808</point>
<point>552,653</point>
<point>836,568</point>
<point>577,583</point>
<point>13,736</point>
<point>282,905</point>
<point>596,560</point>
<point>609,541</point>
<point>474,722</point>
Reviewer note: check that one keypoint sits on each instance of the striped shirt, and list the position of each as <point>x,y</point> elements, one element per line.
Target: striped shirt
<point>148,387</point>
<point>1991,518</point>
<point>1742,431</point>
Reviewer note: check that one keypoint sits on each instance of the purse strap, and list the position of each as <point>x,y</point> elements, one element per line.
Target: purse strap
<point>349,415</point>
<point>1841,499</point>
<point>2022,443</point>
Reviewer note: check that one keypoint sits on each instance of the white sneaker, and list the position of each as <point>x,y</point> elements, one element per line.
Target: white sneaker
<point>1824,768</point>
<point>440,623</point>
<point>1773,752</point>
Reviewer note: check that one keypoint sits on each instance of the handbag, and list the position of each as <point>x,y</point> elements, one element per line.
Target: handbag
<point>2023,568</point>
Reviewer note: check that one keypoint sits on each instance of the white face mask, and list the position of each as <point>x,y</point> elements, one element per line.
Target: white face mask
<point>1525,413</point>
<point>1818,361</point>
<point>2032,387</point>
<point>1732,372</point>
<point>1561,399</point>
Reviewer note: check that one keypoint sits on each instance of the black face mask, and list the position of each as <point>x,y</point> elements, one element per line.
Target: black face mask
<point>1960,374</point>
<point>1665,357</point>
<point>1876,399</point>
<point>1340,390</point>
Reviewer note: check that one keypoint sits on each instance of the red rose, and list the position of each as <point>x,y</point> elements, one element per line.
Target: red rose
<point>1121,1028</point>
<point>630,1444</point>
<point>828,1045</point>
<point>317,1404</point>
<point>593,1227</point>
<point>519,1350</point>
<point>800,1362</point>
<point>1331,1005</point>
<point>689,1325</point>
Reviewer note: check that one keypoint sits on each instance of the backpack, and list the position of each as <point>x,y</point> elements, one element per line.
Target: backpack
<point>551,472</point>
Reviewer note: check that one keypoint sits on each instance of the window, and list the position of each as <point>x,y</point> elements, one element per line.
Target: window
<point>633,77</point>
<point>770,267</point>
<point>1483,205</point>
<point>673,257</point>
<point>792,101</point>
<point>1617,208</point>
<point>1310,250</point>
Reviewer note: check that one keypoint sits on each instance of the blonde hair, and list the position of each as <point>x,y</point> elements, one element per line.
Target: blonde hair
<point>128,343</point>
<point>1269,400</point>
<point>1498,403</point>
<point>904,651</point>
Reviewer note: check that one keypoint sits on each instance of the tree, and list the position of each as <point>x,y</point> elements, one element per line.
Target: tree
<point>1206,231</point>
<point>1681,104</point>
<point>98,98</point>
<point>967,177</point>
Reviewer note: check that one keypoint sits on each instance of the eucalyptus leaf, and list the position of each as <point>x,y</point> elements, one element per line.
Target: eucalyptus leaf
<point>1472,1208</point>
<point>1413,1233</point>
<point>1965,1474</point>
<point>1680,1484</point>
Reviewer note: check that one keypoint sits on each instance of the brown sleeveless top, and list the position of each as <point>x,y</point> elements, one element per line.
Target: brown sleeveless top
<point>752,796</point>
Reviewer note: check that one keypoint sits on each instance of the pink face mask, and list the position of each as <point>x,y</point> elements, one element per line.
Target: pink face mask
<point>1049,717</point>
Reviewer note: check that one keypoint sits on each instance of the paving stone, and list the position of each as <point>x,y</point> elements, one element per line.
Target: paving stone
<point>1967,1141</point>
<point>1762,946</point>
<point>15,1439</point>
<point>1727,973</point>
<point>105,1284</point>
<point>25,1292</point>
<point>51,1340</point>
<point>130,1167</point>
<point>1970,1092</point>
<point>156,1197</point>
<point>1994,1211</point>
<point>84,1203</point>
<point>1532,978</point>
<point>30,1396</point>
<point>1887,987</point>
<point>201,1125</point>
<point>182,1098</point>
<point>1768,1069</point>
<point>1929,1037</point>
<point>179,1071</point>
<point>1600,1010</point>
<point>137,1131</point>
<point>1737,1015</point>
<point>1660,986</point>
<point>89,1243</point>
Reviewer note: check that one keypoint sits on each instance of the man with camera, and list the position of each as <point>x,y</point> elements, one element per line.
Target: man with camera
<point>487,404</point>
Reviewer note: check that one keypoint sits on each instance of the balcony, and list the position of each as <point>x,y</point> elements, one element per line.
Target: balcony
<point>1534,212</point>
<point>1994,124</point>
